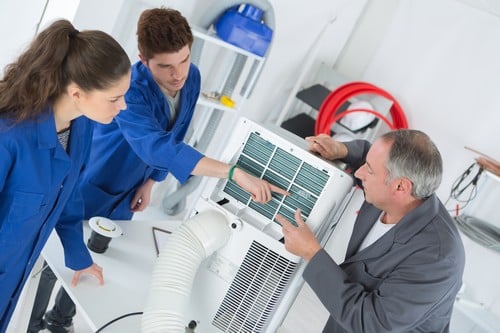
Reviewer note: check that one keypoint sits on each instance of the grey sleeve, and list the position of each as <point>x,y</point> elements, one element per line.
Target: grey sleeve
<point>356,153</point>
<point>401,300</point>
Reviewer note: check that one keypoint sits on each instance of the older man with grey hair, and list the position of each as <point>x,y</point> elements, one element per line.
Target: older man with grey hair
<point>405,258</point>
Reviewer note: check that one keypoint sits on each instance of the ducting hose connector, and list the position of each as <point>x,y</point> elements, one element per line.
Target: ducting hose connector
<point>176,267</point>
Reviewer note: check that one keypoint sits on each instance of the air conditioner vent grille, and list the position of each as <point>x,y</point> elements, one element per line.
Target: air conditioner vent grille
<point>259,149</point>
<point>255,291</point>
<point>279,167</point>
<point>285,164</point>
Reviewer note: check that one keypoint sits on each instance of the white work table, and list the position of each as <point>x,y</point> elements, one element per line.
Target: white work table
<point>128,264</point>
<point>127,267</point>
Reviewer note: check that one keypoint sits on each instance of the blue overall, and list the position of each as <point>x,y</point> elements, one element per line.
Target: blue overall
<point>37,193</point>
<point>141,143</point>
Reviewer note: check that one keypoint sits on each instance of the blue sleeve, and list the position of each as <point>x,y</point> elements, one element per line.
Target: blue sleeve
<point>69,227</point>
<point>157,147</point>
<point>158,175</point>
<point>70,231</point>
<point>5,165</point>
<point>416,284</point>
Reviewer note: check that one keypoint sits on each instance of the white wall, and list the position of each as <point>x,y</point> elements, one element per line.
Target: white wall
<point>19,21</point>
<point>57,9</point>
<point>17,30</point>
<point>442,64</point>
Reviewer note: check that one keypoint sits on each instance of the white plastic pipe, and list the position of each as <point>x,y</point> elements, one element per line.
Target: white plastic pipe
<point>176,268</point>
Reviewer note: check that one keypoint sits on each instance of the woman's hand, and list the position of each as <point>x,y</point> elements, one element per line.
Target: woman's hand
<point>94,270</point>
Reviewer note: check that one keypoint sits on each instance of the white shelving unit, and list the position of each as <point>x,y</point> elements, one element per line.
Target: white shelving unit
<point>225,70</point>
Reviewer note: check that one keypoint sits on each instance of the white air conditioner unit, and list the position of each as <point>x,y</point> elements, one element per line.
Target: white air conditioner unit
<point>250,283</point>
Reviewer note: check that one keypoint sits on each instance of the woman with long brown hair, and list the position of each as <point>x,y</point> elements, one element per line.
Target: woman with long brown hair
<point>49,98</point>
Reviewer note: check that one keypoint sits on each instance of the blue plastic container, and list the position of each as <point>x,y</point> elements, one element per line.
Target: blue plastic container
<point>241,26</point>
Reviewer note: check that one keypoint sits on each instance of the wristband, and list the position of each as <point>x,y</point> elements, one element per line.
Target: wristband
<point>231,172</point>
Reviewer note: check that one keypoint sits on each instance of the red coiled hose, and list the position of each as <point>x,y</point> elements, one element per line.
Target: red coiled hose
<point>327,112</point>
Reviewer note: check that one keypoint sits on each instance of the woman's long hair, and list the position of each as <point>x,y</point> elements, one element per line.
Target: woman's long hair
<point>59,55</point>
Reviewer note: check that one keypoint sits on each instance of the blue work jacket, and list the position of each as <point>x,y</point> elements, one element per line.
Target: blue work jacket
<point>140,143</point>
<point>37,193</point>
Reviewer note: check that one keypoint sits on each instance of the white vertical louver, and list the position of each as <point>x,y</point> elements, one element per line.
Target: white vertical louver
<point>255,291</point>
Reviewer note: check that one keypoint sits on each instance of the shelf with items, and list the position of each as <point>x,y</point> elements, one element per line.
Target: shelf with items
<point>228,76</point>
<point>214,103</point>
<point>211,37</point>
<point>226,70</point>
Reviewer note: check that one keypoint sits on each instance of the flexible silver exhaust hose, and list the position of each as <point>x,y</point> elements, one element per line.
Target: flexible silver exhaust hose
<point>176,268</point>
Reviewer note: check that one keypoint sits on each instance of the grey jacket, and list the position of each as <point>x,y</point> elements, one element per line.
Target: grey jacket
<point>406,281</point>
